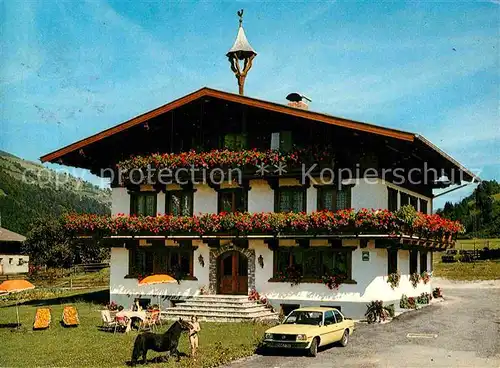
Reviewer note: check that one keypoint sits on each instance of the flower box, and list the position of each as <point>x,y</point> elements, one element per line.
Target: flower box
<point>240,224</point>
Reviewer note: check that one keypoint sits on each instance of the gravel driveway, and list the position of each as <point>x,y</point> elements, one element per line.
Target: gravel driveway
<point>467,325</point>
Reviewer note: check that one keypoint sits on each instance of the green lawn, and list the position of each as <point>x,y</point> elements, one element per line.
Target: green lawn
<point>479,270</point>
<point>65,279</point>
<point>87,346</point>
<point>468,244</point>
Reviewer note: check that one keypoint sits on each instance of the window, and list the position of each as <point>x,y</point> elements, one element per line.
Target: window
<point>290,199</point>
<point>144,303</point>
<point>11,260</point>
<point>282,141</point>
<point>423,205</point>
<point>288,308</point>
<point>423,262</point>
<point>20,262</point>
<point>404,199</point>
<point>331,199</point>
<point>314,262</point>
<point>235,142</point>
<point>392,261</point>
<point>143,203</point>
<point>329,318</point>
<point>413,261</point>
<point>179,203</point>
<point>175,261</point>
<point>413,202</point>
<point>232,200</point>
<point>392,198</point>
<point>338,316</point>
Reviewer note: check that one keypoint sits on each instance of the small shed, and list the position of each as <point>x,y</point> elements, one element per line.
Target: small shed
<point>11,260</point>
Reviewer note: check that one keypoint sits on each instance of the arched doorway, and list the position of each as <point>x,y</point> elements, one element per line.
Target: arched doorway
<point>232,273</point>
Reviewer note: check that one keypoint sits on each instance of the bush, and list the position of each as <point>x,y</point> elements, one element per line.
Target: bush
<point>29,295</point>
<point>391,309</point>
<point>437,293</point>
<point>407,303</point>
<point>424,298</point>
<point>377,312</point>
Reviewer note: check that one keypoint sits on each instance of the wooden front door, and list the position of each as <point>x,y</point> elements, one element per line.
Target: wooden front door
<point>233,273</point>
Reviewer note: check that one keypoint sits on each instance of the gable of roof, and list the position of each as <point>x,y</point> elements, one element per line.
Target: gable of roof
<point>10,236</point>
<point>261,104</point>
<point>253,102</point>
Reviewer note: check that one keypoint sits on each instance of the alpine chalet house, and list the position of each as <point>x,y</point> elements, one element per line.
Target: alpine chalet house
<point>231,194</point>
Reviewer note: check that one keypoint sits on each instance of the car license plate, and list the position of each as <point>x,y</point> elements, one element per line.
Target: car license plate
<point>282,345</point>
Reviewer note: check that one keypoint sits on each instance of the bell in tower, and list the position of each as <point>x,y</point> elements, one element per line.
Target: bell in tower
<point>241,51</point>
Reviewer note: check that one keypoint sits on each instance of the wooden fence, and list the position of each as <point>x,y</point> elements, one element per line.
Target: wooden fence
<point>77,277</point>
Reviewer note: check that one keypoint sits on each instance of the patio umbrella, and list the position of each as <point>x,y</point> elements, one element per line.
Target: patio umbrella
<point>15,286</point>
<point>157,279</point>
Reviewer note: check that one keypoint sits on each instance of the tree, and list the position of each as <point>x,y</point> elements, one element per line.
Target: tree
<point>48,243</point>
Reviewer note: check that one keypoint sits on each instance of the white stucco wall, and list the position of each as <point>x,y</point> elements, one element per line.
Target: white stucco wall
<point>366,193</point>
<point>260,197</point>
<point>311,199</point>
<point>122,288</point>
<point>204,199</point>
<point>160,203</point>
<point>120,201</point>
<point>371,278</point>
<point>371,193</point>
<point>9,264</point>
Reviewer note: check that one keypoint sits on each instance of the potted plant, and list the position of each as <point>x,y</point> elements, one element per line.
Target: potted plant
<point>414,279</point>
<point>393,279</point>
<point>377,312</point>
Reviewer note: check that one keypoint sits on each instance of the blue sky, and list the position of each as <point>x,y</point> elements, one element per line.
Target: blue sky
<point>70,69</point>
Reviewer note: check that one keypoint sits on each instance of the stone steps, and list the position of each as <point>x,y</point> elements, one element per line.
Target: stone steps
<point>235,306</point>
<point>221,308</point>
<point>221,317</point>
<point>217,309</point>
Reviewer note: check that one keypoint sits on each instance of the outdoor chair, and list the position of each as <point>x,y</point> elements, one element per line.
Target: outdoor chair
<point>120,323</point>
<point>151,321</point>
<point>70,317</point>
<point>42,319</point>
<point>108,322</point>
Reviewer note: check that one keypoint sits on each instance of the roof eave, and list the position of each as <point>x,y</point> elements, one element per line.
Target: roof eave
<point>425,141</point>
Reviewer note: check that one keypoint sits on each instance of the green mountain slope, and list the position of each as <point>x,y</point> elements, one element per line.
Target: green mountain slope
<point>29,191</point>
<point>479,212</point>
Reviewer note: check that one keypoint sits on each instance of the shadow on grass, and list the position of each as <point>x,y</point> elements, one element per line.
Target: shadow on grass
<point>97,297</point>
<point>8,325</point>
<point>157,359</point>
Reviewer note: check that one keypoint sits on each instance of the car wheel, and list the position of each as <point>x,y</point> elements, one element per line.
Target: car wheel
<point>313,349</point>
<point>345,338</point>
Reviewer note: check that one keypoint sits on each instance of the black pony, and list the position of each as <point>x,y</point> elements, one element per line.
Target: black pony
<point>159,342</point>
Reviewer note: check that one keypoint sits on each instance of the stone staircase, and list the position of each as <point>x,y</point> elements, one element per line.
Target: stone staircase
<point>221,308</point>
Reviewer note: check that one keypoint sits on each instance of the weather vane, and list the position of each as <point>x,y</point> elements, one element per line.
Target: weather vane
<point>241,50</point>
<point>240,14</point>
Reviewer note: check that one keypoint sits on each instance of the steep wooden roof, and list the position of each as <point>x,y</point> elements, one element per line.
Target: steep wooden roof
<point>208,92</point>
<point>260,104</point>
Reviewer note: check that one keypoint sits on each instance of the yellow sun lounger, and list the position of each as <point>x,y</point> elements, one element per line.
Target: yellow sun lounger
<point>42,319</point>
<point>70,316</point>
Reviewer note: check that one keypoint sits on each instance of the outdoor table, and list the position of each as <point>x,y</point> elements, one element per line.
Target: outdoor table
<point>131,314</point>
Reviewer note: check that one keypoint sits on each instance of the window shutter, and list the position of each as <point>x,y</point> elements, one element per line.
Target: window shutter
<point>131,261</point>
